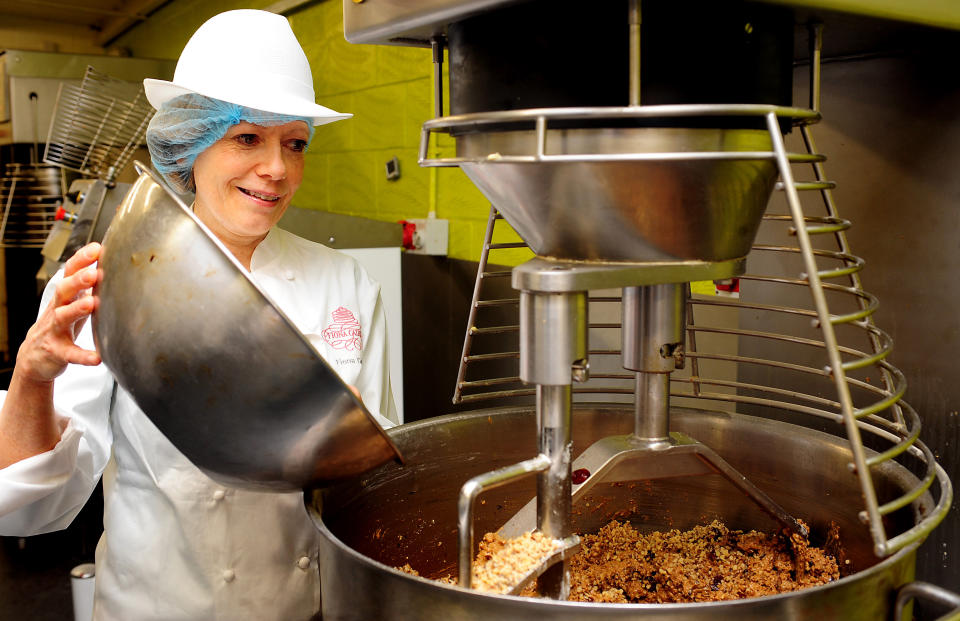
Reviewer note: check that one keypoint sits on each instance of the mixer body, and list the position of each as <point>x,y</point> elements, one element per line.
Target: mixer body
<point>623,166</point>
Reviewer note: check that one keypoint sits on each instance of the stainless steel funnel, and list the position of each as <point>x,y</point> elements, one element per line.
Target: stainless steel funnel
<point>216,366</point>
<point>627,194</point>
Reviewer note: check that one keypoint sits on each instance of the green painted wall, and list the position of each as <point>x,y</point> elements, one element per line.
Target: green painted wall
<point>390,92</point>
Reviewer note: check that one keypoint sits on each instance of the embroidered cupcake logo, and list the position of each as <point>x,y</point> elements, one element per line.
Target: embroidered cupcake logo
<point>344,332</point>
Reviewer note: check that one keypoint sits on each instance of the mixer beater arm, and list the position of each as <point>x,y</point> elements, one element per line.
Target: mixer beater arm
<point>468,496</point>
<point>628,458</point>
<point>654,318</point>
<point>567,547</point>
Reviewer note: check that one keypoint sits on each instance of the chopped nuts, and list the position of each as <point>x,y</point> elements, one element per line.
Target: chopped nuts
<point>502,563</point>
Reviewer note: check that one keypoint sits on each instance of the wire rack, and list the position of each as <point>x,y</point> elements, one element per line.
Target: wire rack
<point>97,125</point>
<point>798,344</point>
<point>29,194</point>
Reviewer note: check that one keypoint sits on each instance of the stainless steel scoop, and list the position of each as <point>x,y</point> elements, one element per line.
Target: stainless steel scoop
<point>213,362</point>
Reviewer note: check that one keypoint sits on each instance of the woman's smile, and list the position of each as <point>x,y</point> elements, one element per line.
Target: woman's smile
<point>268,197</point>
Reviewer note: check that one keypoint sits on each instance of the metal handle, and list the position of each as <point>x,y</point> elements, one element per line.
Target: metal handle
<point>931,592</point>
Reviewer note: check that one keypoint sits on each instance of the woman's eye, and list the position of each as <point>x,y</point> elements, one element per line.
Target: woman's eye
<point>246,139</point>
<point>298,145</point>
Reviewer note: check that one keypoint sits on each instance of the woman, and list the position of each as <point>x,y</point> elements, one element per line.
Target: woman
<point>233,126</point>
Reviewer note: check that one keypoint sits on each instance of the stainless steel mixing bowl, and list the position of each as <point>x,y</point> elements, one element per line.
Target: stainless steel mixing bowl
<point>216,366</point>
<point>390,516</point>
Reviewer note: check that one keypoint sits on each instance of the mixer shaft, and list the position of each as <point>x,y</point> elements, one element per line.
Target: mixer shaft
<point>553,329</point>
<point>653,322</point>
<point>554,504</point>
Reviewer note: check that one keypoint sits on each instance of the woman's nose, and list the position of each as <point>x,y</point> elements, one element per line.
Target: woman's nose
<point>272,163</point>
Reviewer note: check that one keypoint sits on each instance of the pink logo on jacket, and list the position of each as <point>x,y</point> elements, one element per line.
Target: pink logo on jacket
<point>344,333</point>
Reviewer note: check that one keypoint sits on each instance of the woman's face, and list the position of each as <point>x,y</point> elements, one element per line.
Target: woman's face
<point>246,180</point>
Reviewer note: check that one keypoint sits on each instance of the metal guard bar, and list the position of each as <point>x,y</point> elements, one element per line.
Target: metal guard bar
<point>869,308</point>
<point>904,428</point>
<point>906,499</point>
<point>860,359</point>
<point>808,185</point>
<point>540,116</point>
<point>853,263</point>
<point>626,157</point>
<point>477,120</point>
<point>882,544</point>
<point>909,442</point>
<point>828,224</point>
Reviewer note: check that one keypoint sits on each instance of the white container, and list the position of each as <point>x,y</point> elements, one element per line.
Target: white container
<point>81,587</point>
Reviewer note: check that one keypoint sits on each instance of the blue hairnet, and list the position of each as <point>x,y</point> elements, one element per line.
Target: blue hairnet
<point>186,125</point>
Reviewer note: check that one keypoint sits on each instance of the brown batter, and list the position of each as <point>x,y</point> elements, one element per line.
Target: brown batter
<point>705,563</point>
<point>618,564</point>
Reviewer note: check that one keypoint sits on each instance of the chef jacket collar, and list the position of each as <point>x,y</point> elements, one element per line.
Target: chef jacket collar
<point>266,252</point>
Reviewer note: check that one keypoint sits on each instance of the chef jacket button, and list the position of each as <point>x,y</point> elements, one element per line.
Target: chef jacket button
<point>304,562</point>
<point>290,275</point>
<point>219,494</point>
<point>228,575</point>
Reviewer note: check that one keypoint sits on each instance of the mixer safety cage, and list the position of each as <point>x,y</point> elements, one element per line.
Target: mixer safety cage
<point>671,407</point>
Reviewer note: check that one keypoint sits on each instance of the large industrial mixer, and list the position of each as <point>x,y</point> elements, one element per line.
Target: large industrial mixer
<point>643,199</point>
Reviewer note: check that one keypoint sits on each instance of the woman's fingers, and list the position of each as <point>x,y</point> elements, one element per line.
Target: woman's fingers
<point>79,273</point>
<point>77,355</point>
<point>67,315</point>
<point>73,286</point>
<point>87,255</point>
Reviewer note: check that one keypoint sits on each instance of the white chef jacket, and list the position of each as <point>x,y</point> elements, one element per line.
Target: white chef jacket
<point>176,544</point>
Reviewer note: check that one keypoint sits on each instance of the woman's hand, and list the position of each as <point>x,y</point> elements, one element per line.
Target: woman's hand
<point>28,422</point>
<point>49,345</point>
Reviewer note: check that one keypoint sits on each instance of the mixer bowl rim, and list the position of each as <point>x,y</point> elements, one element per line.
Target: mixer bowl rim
<point>317,519</point>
